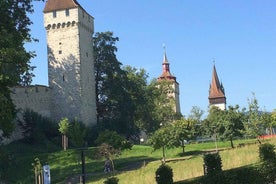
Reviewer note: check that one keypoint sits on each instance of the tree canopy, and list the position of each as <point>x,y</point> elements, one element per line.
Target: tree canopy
<point>15,67</point>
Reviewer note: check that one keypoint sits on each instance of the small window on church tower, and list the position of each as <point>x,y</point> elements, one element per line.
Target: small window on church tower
<point>54,14</point>
<point>86,54</point>
<point>60,51</point>
<point>67,13</point>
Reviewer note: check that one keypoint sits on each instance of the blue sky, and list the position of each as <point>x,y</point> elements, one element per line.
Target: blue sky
<point>239,35</point>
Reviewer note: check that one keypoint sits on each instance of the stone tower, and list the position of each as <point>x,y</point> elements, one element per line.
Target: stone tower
<point>216,92</point>
<point>167,76</point>
<point>70,61</point>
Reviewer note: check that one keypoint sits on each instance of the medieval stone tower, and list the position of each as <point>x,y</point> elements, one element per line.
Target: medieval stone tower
<point>216,92</point>
<point>70,61</point>
<point>167,76</point>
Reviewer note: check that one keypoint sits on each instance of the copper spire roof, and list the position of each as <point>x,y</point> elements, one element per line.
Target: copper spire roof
<point>52,5</point>
<point>216,88</point>
<point>166,74</point>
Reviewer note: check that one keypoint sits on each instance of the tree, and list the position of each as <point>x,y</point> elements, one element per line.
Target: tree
<point>225,124</point>
<point>64,126</point>
<point>253,124</point>
<point>15,68</point>
<point>233,124</point>
<point>164,138</point>
<point>115,108</point>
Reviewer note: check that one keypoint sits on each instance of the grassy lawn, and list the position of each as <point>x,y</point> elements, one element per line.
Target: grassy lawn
<point>65,164</point>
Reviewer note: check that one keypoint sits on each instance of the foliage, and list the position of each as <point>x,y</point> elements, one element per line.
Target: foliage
<point>113,139</point>
<point>253,124</point>
<point>267,166</point>
<point>64,126</point>
<point>7,111</point>
<point>36,128</point>
<point>15,62</point>
<point>213,164</point>
<point>6,161</point>
<point>266,152</point>
<point>226,124</point>
<point>115,107</point>
<point>111,180</point>
<point>164,174</point>
<point>77,133</point>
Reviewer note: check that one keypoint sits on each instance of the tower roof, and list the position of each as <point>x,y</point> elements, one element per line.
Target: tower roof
<point>216,88</point>
<point>53,5</point>
<point>166,74</point>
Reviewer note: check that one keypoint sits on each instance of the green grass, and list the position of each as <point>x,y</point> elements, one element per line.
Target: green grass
<point>65,164</point>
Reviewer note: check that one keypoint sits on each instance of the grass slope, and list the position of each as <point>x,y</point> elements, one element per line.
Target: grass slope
<point>66,164</point>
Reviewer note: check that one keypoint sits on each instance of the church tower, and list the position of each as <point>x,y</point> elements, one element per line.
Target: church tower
<point>216,92</point>
<point>167,76</point>
<point>70,61</point>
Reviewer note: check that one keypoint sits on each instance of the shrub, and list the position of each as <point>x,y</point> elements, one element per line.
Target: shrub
<point>266,152</point>
<point>267,167</point>
<point>164,174</point>
<point>111,180</point>
<point>77,133</point>
<point>212,163</point>
<point>36,128</point>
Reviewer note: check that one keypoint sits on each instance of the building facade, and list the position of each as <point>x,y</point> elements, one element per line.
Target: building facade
<point>71,90</point>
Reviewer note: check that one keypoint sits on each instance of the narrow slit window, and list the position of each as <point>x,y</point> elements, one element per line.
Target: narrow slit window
<point>54,14</point>
<point>67,13</point>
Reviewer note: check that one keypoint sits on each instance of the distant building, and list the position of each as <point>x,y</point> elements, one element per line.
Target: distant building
<point>216,92</point>
<point>71,91</point>
<point>167,76</point>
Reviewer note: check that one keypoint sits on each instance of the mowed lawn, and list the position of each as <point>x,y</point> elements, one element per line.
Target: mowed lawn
<point>132,166</point>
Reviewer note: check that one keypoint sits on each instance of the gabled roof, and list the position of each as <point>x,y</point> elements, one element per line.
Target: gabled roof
<point>166,74</point>
<point>53,5</point>
<point>216,88</point>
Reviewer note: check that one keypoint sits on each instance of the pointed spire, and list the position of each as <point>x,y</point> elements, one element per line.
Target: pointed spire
<point>216,92</point>
<point>216,88</point>
<point>166,74</point>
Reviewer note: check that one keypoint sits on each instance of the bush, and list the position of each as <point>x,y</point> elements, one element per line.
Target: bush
<point>267,167</point>
<point>266,152</point>
<point>111,180</point>
<point>212,163</point>
<point>113,139</point>
<point>164,174</point>
<point>37,129</point>
<point>77,134</point>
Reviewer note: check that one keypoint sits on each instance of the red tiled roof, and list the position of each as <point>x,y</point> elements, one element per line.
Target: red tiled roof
<point>216,90</point>
<point>166,74</point>
<point>52,5</point>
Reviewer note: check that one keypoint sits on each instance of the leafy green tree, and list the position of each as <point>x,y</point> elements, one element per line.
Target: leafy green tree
<point>115,108</point>
<point>253,124</point>
<point>64,126</point>
<point>232,124</point>
<point>15,63</point>
<point>271,121</point>
<point>164,137</point>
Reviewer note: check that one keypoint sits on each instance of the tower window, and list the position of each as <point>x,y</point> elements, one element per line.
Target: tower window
<point>60,51</point>
<point>86,54</point>
<point>54,14</point>
<point>67,13</point>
